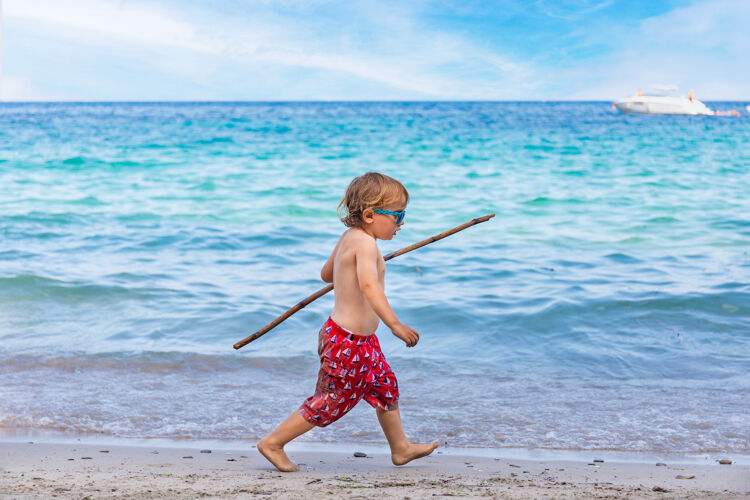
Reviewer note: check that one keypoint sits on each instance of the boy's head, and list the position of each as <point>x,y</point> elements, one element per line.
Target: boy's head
<point>371,190</point>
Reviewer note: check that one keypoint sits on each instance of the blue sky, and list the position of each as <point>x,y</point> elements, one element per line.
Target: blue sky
<point>371,50</point>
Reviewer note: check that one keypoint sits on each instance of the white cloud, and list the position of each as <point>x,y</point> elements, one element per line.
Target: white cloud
<point>703,46</point>
<point>20,89</point>
<point>704,24</point>
<point>386,46</point>
<point>570,10</point>
<point>132,21</point>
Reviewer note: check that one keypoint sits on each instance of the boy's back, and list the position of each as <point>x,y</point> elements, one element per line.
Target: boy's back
<point>351,309</point>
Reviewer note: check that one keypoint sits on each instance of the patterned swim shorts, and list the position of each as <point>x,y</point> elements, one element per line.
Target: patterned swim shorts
<point>352,367</point>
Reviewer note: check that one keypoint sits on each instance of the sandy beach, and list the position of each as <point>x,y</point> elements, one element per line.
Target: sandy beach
<point>76,470</point>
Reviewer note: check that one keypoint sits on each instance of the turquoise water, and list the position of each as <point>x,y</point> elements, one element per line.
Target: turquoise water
<point>606,306</point>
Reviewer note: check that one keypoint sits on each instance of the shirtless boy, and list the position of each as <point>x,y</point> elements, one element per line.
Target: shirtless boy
<point>352,366</point>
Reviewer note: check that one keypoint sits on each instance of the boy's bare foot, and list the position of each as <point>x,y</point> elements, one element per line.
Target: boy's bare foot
<point>276,455</point>
<point>411,452</point>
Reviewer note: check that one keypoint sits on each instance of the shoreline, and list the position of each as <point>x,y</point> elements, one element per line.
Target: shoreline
<point>8,436</point>
<point>92,468</point>
<point>549,454</point>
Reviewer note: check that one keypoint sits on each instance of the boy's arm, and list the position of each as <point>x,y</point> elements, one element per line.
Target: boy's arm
<point>366,258</point>
<point>326,274</point>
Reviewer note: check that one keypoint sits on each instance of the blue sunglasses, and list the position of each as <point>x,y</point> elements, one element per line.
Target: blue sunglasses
<point>398,215</point>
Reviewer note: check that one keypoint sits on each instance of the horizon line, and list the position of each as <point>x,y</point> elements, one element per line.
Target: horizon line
<point>323,101</point>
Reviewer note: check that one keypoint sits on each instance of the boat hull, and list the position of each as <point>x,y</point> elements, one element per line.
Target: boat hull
<point>655,105</point>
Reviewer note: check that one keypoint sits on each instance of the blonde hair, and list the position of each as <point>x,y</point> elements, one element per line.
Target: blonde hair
<point>371,190</point>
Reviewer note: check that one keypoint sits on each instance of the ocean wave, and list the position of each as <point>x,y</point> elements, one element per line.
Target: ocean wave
<point>173,395</point>
<point>149,362</point>
<point>31,287</point>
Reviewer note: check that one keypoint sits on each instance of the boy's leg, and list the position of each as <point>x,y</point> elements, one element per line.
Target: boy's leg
<point>402,451</point>
<point>272,446</point>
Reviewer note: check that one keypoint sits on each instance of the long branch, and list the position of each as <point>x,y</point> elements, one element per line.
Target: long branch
<point>273,324</point>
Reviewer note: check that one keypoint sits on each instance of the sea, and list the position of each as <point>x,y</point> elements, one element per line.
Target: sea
<point>606,306</point>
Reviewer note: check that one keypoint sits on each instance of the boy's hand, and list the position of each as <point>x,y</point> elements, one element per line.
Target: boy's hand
<point>406,333</point>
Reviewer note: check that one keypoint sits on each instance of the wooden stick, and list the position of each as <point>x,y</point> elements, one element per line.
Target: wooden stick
<point>273,324</point>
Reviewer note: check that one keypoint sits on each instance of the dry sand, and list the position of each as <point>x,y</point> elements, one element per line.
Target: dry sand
<point>53,470</point>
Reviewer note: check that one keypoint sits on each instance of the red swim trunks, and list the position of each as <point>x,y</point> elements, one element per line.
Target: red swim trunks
<point>352,367</point>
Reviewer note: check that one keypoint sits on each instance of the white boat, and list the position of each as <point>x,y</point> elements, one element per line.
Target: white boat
<point>663,101</point>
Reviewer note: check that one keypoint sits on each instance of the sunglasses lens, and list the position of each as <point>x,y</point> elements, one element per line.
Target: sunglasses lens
<point>400,218</point>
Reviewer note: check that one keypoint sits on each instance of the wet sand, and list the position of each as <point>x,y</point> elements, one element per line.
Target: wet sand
<point>76,470</point>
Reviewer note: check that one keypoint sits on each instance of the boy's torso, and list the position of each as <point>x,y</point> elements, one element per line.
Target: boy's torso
<point>351,309</point>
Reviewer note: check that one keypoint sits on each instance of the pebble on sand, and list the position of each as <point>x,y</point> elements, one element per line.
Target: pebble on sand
<point>360,454</point>
<point>188,456</point>
<point>680,476</point>
<point>598,460</point>
<point>661,464</point>
<point>724,461</point>
<point>205,451</point>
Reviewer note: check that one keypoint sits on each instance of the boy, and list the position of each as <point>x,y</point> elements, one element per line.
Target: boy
<point>352,366</point>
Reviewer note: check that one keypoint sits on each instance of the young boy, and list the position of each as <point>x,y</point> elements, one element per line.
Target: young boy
<point>352,366</point>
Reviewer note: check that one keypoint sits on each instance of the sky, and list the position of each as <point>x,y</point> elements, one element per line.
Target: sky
<point>279,50</point>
